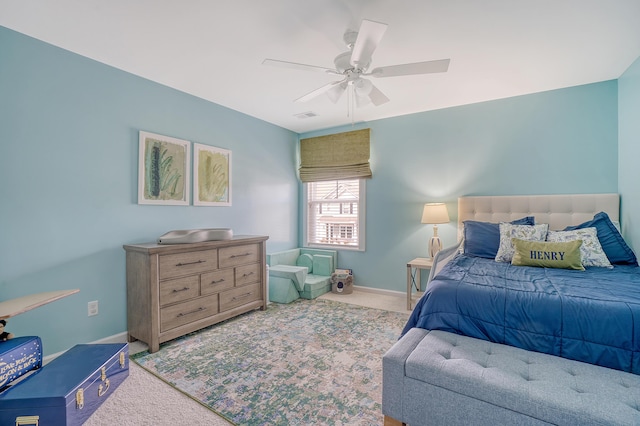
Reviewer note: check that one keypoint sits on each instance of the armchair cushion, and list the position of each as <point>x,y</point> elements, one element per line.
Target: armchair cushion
<point>287,257</point>
<point>297,274</point>
<point>322,265</point>
<point>282,290</point>
<point>316,285</point>
<point>324,252</point>
<point>305,260</point>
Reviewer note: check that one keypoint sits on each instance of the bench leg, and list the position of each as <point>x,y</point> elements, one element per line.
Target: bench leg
<point>390,421</point>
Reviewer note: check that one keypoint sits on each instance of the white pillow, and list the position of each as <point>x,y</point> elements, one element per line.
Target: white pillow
<point>591,251</point>
<point>521,232</point>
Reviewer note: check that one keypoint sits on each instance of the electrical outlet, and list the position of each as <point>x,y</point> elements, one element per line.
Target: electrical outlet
<point>92,308</point>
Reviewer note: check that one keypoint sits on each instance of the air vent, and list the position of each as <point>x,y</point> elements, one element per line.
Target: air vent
<point>307,114</point>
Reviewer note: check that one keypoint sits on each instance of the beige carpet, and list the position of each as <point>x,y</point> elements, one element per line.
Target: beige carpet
<point>372,299</point>
<point>143,399</point>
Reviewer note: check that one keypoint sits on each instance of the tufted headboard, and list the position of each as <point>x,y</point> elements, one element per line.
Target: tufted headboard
<point>559,211</point>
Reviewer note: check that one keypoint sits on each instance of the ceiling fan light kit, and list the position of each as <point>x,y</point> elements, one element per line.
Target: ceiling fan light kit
<point>335,93</point>
<point>353,65</point>
<point>363,87</point>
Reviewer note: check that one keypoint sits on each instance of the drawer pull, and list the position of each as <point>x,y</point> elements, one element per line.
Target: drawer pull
<point>247,275</point>
<point>182,314</point>
<point>191,263</point>
<point>221,280</point>
<point>179,290</point>
<point>242,296</point>
<point>233,256</point>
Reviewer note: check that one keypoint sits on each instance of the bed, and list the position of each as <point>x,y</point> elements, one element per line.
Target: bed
<point>498,343</point>
<point>590,315</point>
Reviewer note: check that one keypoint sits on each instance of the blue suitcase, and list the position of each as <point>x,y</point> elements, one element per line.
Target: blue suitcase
<point>68,389</point>
<point>19,356</point>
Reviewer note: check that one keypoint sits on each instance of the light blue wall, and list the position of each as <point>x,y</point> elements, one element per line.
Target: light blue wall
<point>68,133</point>
<point>629,149</point>
<point>562,141</point>
<point>69,165</point>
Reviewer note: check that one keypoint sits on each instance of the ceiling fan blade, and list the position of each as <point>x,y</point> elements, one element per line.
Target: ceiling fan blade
<point>319,91</point>
<point>377,97</point>
<point>297,66</point>
<point>369,36</point>
<point>428,67</point>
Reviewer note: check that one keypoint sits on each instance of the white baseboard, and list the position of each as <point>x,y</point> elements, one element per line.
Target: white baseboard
<point>380,291</point>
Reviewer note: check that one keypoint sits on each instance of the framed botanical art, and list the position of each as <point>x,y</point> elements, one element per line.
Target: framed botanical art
<point>211,176</point>
<point>163,170</point>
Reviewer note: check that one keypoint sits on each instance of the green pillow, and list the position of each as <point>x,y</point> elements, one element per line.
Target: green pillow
<point>545,254</point>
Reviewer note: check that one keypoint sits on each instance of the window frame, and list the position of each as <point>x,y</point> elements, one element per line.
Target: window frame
<point>361,219</point>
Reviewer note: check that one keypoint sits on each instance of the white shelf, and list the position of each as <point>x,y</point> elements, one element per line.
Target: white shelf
<point>12,307</point>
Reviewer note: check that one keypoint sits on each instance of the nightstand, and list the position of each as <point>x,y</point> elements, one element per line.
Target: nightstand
<point>418,264</point>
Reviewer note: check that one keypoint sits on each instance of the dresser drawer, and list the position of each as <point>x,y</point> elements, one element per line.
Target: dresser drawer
<point>239,296</point>
<point>213,282</point>
<point>180,264</point>
<point>247,274</point>
<point>192,310</point>
<point>239,255</point>
<point>179,289</point>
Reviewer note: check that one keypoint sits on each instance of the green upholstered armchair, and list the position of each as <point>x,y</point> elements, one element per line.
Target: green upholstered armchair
<point>300,272</point>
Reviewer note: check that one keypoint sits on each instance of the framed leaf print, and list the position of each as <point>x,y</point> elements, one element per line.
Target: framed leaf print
<point>211,176</point>
<point>163,170</point>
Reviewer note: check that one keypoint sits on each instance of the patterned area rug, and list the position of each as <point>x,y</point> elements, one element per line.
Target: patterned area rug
<point>310,362</point>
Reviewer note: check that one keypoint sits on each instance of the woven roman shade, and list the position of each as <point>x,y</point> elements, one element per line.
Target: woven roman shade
<point>333,157</point>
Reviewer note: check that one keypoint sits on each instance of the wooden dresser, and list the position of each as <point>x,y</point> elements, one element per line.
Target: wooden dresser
<point>175,289</point>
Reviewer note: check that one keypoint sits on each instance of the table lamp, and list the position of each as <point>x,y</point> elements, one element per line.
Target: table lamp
<point>435,213</point>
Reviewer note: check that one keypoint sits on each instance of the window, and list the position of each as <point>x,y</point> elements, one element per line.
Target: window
<point>335,214</point>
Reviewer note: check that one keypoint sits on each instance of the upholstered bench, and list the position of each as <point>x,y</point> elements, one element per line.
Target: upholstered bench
<point>440,378</point>
<point>300,273</point>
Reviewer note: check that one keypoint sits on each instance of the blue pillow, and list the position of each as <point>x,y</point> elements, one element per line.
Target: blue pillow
<point>618,252</point>
<point>482,239</point>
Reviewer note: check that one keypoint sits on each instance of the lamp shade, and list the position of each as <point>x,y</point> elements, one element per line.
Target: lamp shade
<point>435,213</point>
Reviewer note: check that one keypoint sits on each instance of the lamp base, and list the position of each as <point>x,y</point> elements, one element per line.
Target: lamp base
<point>435,245</point>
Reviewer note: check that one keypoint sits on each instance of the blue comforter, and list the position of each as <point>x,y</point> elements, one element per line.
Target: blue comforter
<point>591,316</point>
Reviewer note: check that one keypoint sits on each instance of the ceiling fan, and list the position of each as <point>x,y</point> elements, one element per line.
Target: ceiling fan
<point>354,64</point>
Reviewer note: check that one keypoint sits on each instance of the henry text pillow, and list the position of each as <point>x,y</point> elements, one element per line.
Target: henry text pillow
<point>521,232</point>
<point>565,255</point>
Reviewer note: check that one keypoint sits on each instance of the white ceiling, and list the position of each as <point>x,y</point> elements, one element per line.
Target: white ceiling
<point>214,49</point>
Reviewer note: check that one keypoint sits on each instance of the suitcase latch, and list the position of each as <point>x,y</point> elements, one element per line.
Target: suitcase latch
<point>80,399</point>
<point>27,420</point>
<point>121,359</point>
<point>103,373</point>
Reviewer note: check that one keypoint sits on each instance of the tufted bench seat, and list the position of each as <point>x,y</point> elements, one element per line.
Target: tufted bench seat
<point>440,378</point>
